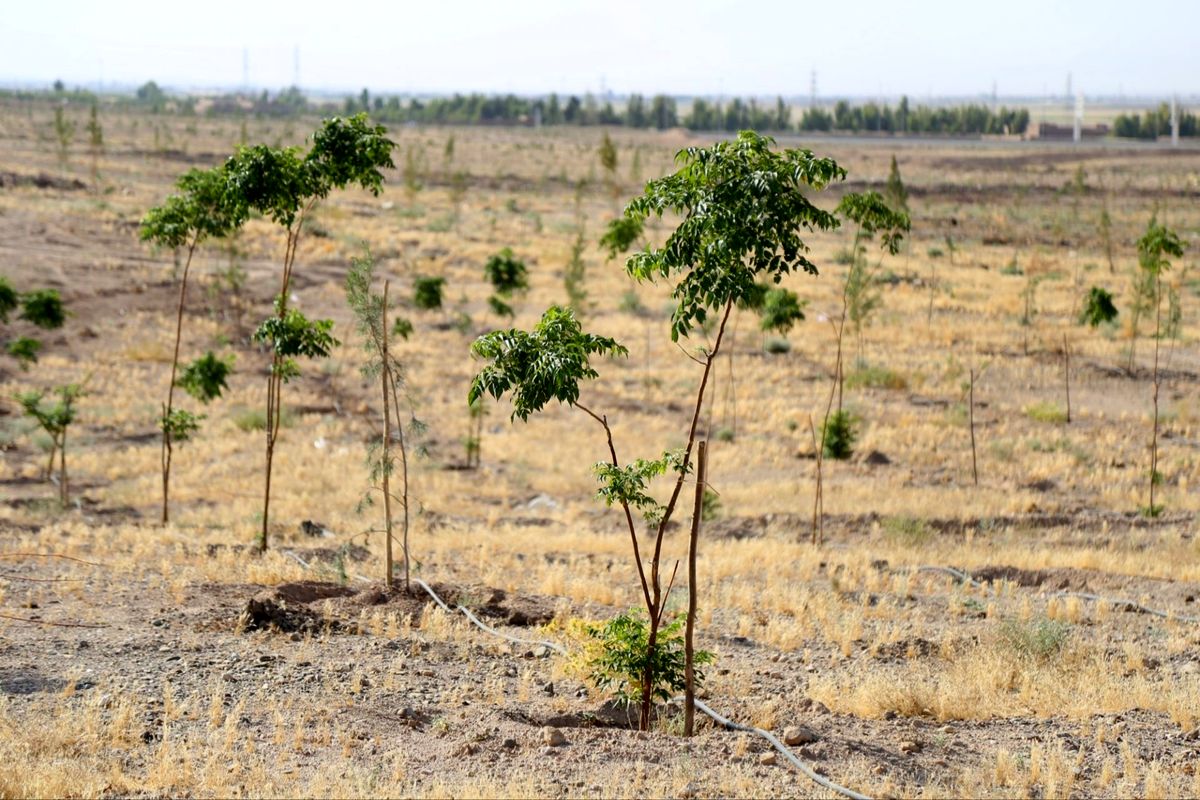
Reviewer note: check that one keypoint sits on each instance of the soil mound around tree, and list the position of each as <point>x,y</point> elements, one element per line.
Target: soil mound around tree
<point>311,606</point>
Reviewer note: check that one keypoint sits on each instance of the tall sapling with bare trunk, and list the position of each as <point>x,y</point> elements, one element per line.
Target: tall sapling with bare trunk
<point>371,316</point>
<point>742,209</point>
<point>1154,247</point>
<point>283,185</point>
<point>203,208</point>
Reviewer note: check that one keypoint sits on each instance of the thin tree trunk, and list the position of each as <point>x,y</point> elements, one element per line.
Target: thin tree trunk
<point>818,521</point>
<point>275,380</point>
<point>971,418</point>
<point>689,669</point>
<point>65,491</point>
<point>1067,374</point>
<point>385,378</point>
<point>1154,436</point>
<point>166,438</point>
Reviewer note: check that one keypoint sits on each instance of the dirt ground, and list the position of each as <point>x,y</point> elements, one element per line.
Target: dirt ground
<point>141,660</point>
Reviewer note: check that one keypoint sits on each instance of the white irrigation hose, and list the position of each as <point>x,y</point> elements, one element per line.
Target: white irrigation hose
<point>483,626</point>
<point>1128,604</point>
<point>963,576</point>
<point>724,722</point>
<point>783,749</point>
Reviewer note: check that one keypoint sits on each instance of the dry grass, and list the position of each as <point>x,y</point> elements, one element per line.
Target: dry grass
<point>845,631</point>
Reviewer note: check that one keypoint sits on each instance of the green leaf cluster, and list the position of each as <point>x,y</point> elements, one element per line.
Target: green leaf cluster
<point>628,485</point>
<point>743,208</point>
<point>205,378</point>
<point>294,335</point>
<point>839,434</point>
<point>545,364</point>
<point>1156,244</point>
<point>873,215</point>
<point>277,182</point>
<point>206,205</point>
<point>42,307</point>
<point>179,425</point>
<point>781,309</point>
<point>427,292</point>
<point>620,664</point>
<point>508,276</point>
<point>1098,308</point>
<point>56,416</point>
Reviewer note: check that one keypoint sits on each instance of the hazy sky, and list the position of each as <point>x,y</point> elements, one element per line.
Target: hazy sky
<point>857,47</point>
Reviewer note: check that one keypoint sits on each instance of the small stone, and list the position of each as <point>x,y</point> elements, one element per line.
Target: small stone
<point>799,734</point>
<point>878,769</point>
<point>768,759</point>
<point>910,747</point>
<point>509,744</point>
<point>553,737</point>
<point>541,651</point>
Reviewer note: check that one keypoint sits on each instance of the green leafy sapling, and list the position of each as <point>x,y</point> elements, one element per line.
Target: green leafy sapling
<point>742,208</point>
<point>781,309</point>
<point>894,192</point>
<point>623,658</point>
<point>1155,249</point>
<point>283,185</point>
<point>508,276</point>
<point>427,292</point>
<point>42,308</point>
<point>203,208</point>
<point>1098,308</point>
<point>55,418</point>
<point>371,319</point>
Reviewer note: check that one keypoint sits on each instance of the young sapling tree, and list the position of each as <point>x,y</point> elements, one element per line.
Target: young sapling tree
<point>743,207</point>
<point>1154,248</point>
<point>1098,308</point>
<point>202,208</point>
<point>64,131</point>
<point>95,142</point>
<point>508,276</point>
<point>54,418</point>
<point>42,308</point>
<point>285,186</point>
<point>371,317</point>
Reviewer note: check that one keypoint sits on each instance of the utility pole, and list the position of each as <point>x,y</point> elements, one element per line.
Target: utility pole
<point>1174,121</point>
<point>245,69</point>
<point>812,90</point>
<point>296,66</point>
<point>1078,137</point>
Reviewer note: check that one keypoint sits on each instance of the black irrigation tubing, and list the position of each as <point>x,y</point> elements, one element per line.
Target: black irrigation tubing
<point>962,576</point>
<point>724,722</point>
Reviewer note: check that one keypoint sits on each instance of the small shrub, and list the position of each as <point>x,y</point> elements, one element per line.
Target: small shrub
<point>620,663</point>
<point>710,508</point>
<point>1046,411</point>
<point>252,419</point>
<point>839,434</point>
<point>724,435</point>
<point>934,252</point>
<point>875,378</point>
<point>777,345</point>
<point>1037,640</point>
<point>1098,308</point>
<point>906,531</point>
<point>427,292</point>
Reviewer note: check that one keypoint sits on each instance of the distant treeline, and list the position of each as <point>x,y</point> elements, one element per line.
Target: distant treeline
<point>660,112</point>
<point>1154,123</point>
<point>951,120</point>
